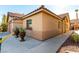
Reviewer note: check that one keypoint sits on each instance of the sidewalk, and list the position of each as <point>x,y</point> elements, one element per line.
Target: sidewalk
<point>51,45</point>
<point>31,45</point>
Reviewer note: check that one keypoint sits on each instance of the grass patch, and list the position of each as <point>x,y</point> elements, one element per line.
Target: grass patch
<point>5,37</point>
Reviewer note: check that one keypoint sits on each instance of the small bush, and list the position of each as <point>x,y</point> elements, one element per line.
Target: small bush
<point>75,37</point>
<point>4,27</point>
<point>21,29</point>
<point>22,33</point>
<point>16,31</point>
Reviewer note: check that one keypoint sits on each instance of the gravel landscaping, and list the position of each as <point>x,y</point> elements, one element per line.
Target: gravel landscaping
<point>69,45</point>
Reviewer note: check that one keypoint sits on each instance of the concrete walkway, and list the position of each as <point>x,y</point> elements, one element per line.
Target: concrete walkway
<point>4,34</point>
<point>13,45</point>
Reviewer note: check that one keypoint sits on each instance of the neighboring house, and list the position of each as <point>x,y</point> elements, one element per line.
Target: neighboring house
<point>42,24</point>
<point>66,22</point>
<point>74,24</point>
<point>13,20</point>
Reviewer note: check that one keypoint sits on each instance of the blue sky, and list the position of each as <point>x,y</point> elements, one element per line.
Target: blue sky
<point>24,9</point>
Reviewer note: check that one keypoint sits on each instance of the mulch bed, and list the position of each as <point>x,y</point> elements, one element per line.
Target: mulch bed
<point>69,45</point>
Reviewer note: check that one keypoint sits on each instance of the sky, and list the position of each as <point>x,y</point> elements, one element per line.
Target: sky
<point>25,9</point>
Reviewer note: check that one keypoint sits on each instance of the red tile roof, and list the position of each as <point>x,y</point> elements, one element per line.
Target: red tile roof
<point>42,7</point>
<point>15,14</point>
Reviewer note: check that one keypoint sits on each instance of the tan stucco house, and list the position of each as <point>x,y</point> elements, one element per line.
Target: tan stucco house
<point>13,20</point>
<point>66,22</point>
<point>74,24</point>
<point>42,24</point>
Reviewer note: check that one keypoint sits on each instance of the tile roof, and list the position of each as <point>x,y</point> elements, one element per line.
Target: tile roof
<point>43,8</point>
<point>63,15</point>
<point>15,14</point>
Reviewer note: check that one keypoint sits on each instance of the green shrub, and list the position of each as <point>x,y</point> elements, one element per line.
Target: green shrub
<point>22,33</point>
<point>16,31</point>
<point>4,27</point>
<point>21,29</point>
<point>75,37</point>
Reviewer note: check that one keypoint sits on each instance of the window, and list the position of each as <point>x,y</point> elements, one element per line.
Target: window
<point>29,24</point>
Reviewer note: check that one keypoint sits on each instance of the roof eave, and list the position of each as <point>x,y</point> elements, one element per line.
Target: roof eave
<point>40,10</point>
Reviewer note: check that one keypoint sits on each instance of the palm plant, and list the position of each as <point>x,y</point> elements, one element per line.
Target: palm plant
<point>22,33</point>
<point>76,23</point>
<point>76,10</point>
<point>16,31</point>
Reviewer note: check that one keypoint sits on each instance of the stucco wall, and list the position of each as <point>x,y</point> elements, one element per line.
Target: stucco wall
<point>10,24</point>
<point>50,26</point>
<point>44,26</point>
<point>66,25</point>
<point>18,23</point>
<point>14,23</point>
<point>36,25</point>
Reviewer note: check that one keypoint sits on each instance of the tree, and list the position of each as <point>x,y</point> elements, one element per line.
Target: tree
<point>76,13</point>
<point>4,19</point>
<point>76,10</point>
<point>76,21</point>
<point>4,24</point>
<point>4,27</point>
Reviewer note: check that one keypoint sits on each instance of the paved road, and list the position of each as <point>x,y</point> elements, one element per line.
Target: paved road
<point>13,45</point>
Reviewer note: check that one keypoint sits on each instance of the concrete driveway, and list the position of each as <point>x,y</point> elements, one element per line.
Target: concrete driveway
<point>13,45</point>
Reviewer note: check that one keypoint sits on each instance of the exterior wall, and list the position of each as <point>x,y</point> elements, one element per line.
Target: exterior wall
<point>60,27</point>
<point>66,25</point>
<point>44,26</point>
<point>50,26</point>
<point>13,23</point>
<point>76,25</point>
<point>36,31</point>
<point>10,24</point>
<point>18,23</point>
<point>71,26</point>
